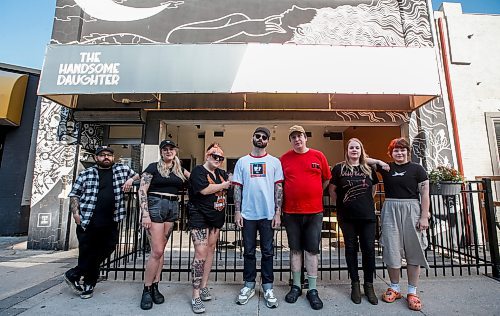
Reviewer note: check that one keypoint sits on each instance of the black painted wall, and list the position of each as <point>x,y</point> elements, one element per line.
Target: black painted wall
<point>14,168</point>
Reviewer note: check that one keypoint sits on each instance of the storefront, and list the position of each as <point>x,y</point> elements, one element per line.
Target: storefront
<point>194,71</point>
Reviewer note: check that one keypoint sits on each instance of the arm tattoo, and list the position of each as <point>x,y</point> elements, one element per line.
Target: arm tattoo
<point>237,198</point>
<point>278,195</point>
<point>74,205</point>
<point>143,189</point>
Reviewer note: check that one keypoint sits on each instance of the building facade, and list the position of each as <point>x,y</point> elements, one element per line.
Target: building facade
<point>198,72</point>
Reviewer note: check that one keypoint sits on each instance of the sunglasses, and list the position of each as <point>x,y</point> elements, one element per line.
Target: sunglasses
<point>259,136</point>
<point>217,157</point>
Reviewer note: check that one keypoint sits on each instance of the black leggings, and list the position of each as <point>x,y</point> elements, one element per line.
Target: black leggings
<point>365,230</point>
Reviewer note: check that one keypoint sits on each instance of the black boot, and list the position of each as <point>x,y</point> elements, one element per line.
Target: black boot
<point>147,299</point>
<point>370,293</point>
<point>158,298</point>
<point>355,292</point>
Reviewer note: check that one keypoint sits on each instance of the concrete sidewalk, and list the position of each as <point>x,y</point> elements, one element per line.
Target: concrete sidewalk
<point>31,284</point>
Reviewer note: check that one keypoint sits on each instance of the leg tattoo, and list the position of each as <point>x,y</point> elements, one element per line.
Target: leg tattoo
<point>197,272</point>
<point>199,236</point>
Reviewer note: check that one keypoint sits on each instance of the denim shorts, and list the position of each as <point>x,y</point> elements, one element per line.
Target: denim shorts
<point>162,210</point>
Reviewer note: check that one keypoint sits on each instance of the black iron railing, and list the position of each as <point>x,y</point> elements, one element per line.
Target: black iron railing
<point>461,238</point>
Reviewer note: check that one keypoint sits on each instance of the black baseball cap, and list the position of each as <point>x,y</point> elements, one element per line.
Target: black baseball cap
<point>263,130</point>
<point>167,142</point>
<point>104,148</point>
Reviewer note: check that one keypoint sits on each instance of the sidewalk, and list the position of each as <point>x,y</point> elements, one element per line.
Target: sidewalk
<point>31,284</point>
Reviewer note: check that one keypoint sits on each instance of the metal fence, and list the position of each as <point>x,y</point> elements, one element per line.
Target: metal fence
<point>462,241</point>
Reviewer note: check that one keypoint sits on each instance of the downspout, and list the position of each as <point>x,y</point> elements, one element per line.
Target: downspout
<point>449,89</point>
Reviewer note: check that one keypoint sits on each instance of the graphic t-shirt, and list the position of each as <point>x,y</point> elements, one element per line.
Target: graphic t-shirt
<point>257,176</point>
<point>105,204</point>
<point>354,192</point>
<point>171,184</point>
<point>200,179</point>
<point>401,181</point>
<point>303,187</point>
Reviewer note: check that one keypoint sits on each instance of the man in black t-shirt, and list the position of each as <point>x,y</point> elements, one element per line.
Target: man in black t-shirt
<point>97,204</point>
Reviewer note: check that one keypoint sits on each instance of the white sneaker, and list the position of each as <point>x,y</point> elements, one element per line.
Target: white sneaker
<point>245,295</point>
<point>271,300</point>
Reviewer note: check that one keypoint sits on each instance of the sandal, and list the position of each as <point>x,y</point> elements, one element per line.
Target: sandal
<point>390,296</point>
<point>414,302</point>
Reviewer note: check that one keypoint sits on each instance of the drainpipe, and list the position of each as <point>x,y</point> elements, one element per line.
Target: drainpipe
<point>444,56</point>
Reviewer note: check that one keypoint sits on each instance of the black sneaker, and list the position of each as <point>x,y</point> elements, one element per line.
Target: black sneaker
<point>293,295</point>
<point>88,291</point>
<point>314,300</point>
<point>158,298</point>
<point>147,299</point>
<point>73,283</point>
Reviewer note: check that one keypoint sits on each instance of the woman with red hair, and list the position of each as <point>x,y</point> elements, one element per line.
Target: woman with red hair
<point>207,204</point>
<point>405,219</point>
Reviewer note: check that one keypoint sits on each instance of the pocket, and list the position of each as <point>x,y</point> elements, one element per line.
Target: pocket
<point>175,211</point>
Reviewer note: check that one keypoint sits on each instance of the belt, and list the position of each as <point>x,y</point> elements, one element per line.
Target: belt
<point>164,197</point>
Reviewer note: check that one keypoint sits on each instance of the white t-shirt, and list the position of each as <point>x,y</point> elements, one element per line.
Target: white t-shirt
<point>257,176</point>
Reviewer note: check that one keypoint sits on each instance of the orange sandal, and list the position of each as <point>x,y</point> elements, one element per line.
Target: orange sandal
<point>414,302</point>
<point>390,296</point>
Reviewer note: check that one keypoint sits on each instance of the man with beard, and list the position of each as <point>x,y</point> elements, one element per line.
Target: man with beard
<point>258,195</point>
<point>97,204</point>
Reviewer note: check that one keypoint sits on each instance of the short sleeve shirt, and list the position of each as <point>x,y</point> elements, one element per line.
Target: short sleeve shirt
<point>354,192</point>
<point>200,179</point>
<point>257,176</point>
<point>401,181</point>
<point>304,175</point>
<point>171,184</point>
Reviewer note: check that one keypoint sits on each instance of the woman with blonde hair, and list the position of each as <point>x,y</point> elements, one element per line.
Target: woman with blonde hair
<point>158,198</point>
<point>352,187</point>
<point>207,204</point>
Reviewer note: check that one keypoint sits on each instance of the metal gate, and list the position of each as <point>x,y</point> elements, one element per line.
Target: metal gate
<point>463,240</point>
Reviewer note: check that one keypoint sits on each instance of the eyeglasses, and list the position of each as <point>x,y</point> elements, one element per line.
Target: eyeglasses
<point>258,136</point>
<point>217,157</point>
<point>105,155</point>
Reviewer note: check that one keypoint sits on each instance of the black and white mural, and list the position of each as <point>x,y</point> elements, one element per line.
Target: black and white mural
<point>333,22</point>
<point>55,156</point>
<point>430,135</point>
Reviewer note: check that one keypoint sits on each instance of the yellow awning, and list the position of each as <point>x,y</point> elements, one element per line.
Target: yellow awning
<point>12,92</point>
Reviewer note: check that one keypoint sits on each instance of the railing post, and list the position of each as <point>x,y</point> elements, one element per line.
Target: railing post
<point>491,227</point>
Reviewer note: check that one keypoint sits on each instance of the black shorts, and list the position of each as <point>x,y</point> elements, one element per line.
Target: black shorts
<point>162,210</point>
<point>200,219</point>
<point>303,231</point>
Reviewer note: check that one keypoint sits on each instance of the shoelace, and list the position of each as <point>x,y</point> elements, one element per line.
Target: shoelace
<point>270,294</point>
<point>245,290</point>
<point>198,304</point>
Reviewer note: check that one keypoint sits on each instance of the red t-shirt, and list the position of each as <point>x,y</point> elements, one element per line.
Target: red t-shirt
<point>304,176</point>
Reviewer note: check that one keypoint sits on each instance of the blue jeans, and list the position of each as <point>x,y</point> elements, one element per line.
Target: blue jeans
<point>266,233</point>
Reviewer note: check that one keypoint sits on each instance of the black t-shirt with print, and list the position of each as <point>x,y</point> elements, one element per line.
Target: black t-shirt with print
<point>354,193</point>
<point>200,179</point>
<point>401,181</point>
<point>171,184</point>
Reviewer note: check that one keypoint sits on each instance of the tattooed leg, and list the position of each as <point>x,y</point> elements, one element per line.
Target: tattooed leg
<point>197,269</point>
<point>213,236</point>
<point>200,241</point>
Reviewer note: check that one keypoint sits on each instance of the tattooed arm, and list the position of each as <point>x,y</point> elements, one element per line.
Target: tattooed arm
<point>238,219</point>
<point>423,188</point>
<point>74,206</point>
<point>143,198</point>
<point>278,203</point>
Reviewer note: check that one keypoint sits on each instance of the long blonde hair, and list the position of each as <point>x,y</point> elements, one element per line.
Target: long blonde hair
<point>176,167</point>
<point>365,168</point>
